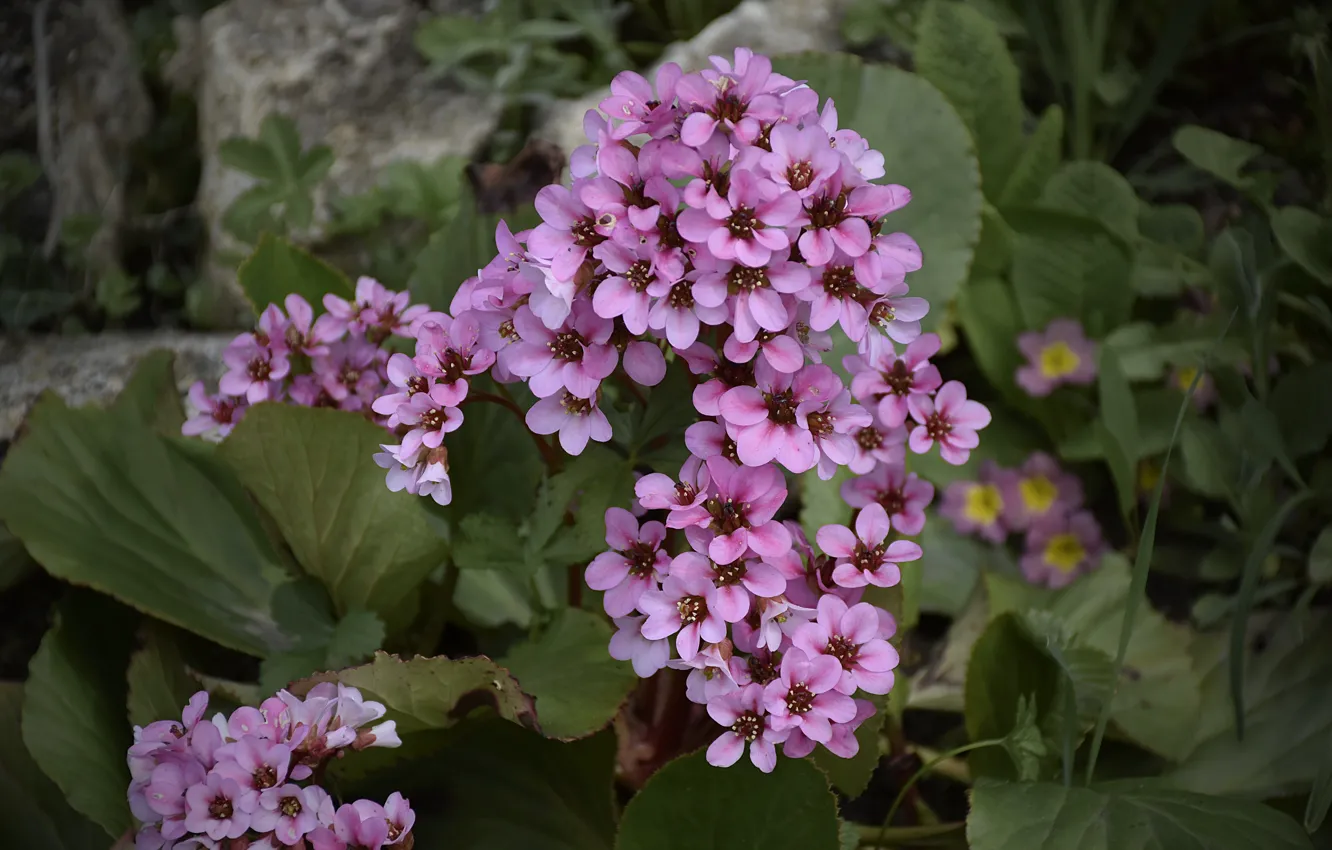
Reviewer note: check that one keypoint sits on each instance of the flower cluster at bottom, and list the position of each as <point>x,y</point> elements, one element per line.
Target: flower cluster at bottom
<point>251,781</point>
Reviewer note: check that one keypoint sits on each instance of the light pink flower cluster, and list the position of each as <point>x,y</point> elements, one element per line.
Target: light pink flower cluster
<point>335,360</point>
<point>1039,500</point>
<point>246,780</point>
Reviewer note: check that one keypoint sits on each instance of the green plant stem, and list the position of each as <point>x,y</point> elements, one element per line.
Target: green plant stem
<point>946,766</point>
<point>1078,53</point>
<point>924,769</point>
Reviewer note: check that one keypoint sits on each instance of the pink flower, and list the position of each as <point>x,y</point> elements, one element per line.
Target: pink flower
<point>744,715</point>
<point>575,419</point>
<point>739,512</point>
<point>735,582</point>
<point>949,419</point>
<point>361,824</point>
<point>569,229</point>
<point>575,357</point>
<point>165,792</point>
<point>865,556</point>
<point>403,374</point>
<point>782,351</point>
<point>839,293</point>
<point>634,565</point>
<point>830,422</point>
<point>903,495</point>
<point>430,419</point>
<point>254,764</point>
<point>217,808</point>
<point>306,335</point>
<point>398,812</point>
<point>888,380</point>
<point>687,607</point>
<point>747,225</point>
<point>254,371</point>
<point>875,444</point>
<point>754,292</point>
<point>896,314</point>
<point>1061,548</point>
<point>764,419</point>
<point>1037,490</point>
<point>644,363</point>
<point>637,107</point>
<point>349,373</point>
<point>212,414</point>
<point>625,292</point>
<point>448,351</point>
<point>854,637</point>
<point>1061,354</point>
<point>628,644</point>
<point>805,698</point>
<point>735,101</point>
<point>290,812</point>
<point>424,473</point>
<point>843,742</point>
<point>801,158</point>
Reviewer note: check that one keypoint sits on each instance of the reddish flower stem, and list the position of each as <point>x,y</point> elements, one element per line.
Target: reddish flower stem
<point>554,462</point>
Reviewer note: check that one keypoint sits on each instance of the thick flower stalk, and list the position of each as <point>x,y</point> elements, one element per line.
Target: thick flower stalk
<point>723,219</point>
<point>252,779</point>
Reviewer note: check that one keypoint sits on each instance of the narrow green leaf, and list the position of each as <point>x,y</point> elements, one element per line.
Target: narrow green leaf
<point>1302,404</point>
<point>1320,796</point>
<point>74,707</point>
<point>279,134</point>
<point>1320,558</point>
<point>1307,238</point>
<point>1120,416</point>
<point>1038,162</point>
<point>691,805</point>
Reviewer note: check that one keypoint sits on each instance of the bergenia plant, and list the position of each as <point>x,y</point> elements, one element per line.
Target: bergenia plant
<point>724,220</point>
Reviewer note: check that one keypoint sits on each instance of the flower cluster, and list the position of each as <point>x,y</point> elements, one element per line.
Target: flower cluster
<point>251,779</point>
<point>337,360</point>
<point>1040,501</point>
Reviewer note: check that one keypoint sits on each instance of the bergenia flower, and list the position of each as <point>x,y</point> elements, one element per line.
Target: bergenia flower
<point>635,564</point>
<point>888,380</point>
<point>765,420</point>
<point>575,357</point>
<point>865,556</point>
<point>218,808</point>
<point>746,719</point>
<point>740,512</point>
<point>949,419</point>
<point>576,420</point>
<point>687,607</point>
<point>747,225</point>
<point>212,414</point>
<point>805,696</point>
<point>449,351</point>
<point>1061,354</point>
<point>854,636</point>
<point>903,496</point>
<point>628,644</point>
<point>290,812</point>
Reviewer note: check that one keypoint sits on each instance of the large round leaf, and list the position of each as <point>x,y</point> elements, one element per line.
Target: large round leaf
<point>926,147</point>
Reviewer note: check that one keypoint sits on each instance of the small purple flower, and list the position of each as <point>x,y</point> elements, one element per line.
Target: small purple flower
<point>728,101</point>
<point>1037,490</point>
<point>739,512</point>
<point>165,791</point>
<point>218,808</point>
<point>625,293</point>
<point>687,607</point>
<point>831,422</point>
<point>801,159</point>
<point>637,107</point>
<point>949,419</point>
<point>865,556</point>
<point>805,696</point>
<point>305,334</point>
<point>569,229</point>
<point>448,351</point>
<point>575,419</point>
<point>854,636</point>
<point>980,507</point>
<point>746,719</point>
<point>756,295</point>
<point>843,742</point>
<point>430,419</point>
<point>1061,548</point>
<point>254,371</point>
<point>361,824</point>
<point>1061,354</point>
<point>349,373</point>
<point>254,764</point>
<point>737,582</point>
<point>634,565</point>
<point>628,644</point>
<point>875,445</point>
<point>403,374</point>
<point>212,414</point>
<point>888,380</point>
<point>782,351</point>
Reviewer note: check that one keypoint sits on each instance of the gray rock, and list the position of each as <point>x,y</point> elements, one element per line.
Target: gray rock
<point>771,27</point>
<point>347,73</point>
<point>92,369</point>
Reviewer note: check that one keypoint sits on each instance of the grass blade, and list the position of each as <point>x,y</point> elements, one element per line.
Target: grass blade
<point>1143,560</point>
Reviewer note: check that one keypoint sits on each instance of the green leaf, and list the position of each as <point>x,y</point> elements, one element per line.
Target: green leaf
<point>357,636</point>
<point>1307,238</point>
<point>460,249</point>
<point>160,525</point>
<point>691,804</point>
<point>935,150</point>
<point>1119,421</point>
<point>578,687</point>
<point>1320,797</point>
<point>493,462</point>
<point>988,314</point>
<point>117,294</point>
<point>995,250</point>
<point>821,501</point>
<point>492,785</point>
<point>1157,699</point>
<point>250,156</point>
<point>18,171</point>
<point>1162,271</point>
<point>1177,226</point>
<point>1005,670</point>
<point>432,693</point>
<point>1156,408</point>
<point>1038,161</point>
<point>150,396</point>
<point>597,479</point>
<point>74,707</point>
<point>487,542</point>
<point>277,269</point>
<point>33,811</point>
<point>1320,558</point>
<point>159,686</point>
<point>1130,815</point>
<point>1096,191</point>
<point>1288,718</point>
<point>1209,462</point>
<point>490,599</point>
<point>1226,159</point>
<point>311,470</point>
<point>1302,404</point>
<point>279,134</point>
<point>961,52</point>
<point>1070,266</point>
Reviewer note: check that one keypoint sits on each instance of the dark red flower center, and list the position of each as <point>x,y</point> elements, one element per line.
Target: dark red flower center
<point>685,493</point>
<point>748,726</point>
<point>742,223</point>
<point>937,427</point>
<point>727,515</point>
<point>800,699</point>
<point>681,297</point>
<point>575,406</point>
<point>893,501</point>
<point>692,609</point>
<point>349,376</point>
<point>290,806</point>
<point>869,438</point>
<point>730,451</point>
<point>781,407</point>
<point>744,279</point>
<point>826,211</point>
<point>259,369</point>
<point>899,379</point>
<point>764,670</point>
<point>220,808</point>
<point>728,107</point>
<point>843,650</point>
<point>881,314</point>
<point>567,346</point>
<point>820,424</point>
<point>799,175</point>
<point>840,282</point>
<point>453,365</point>
<point>434,419</point>
<point>642,557</point>
<point>868,558</point>
<point>265,777</point>
<point>729,575</point>
<point>585,233</point>
<point>417,384</point>
<point>639,275</point>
